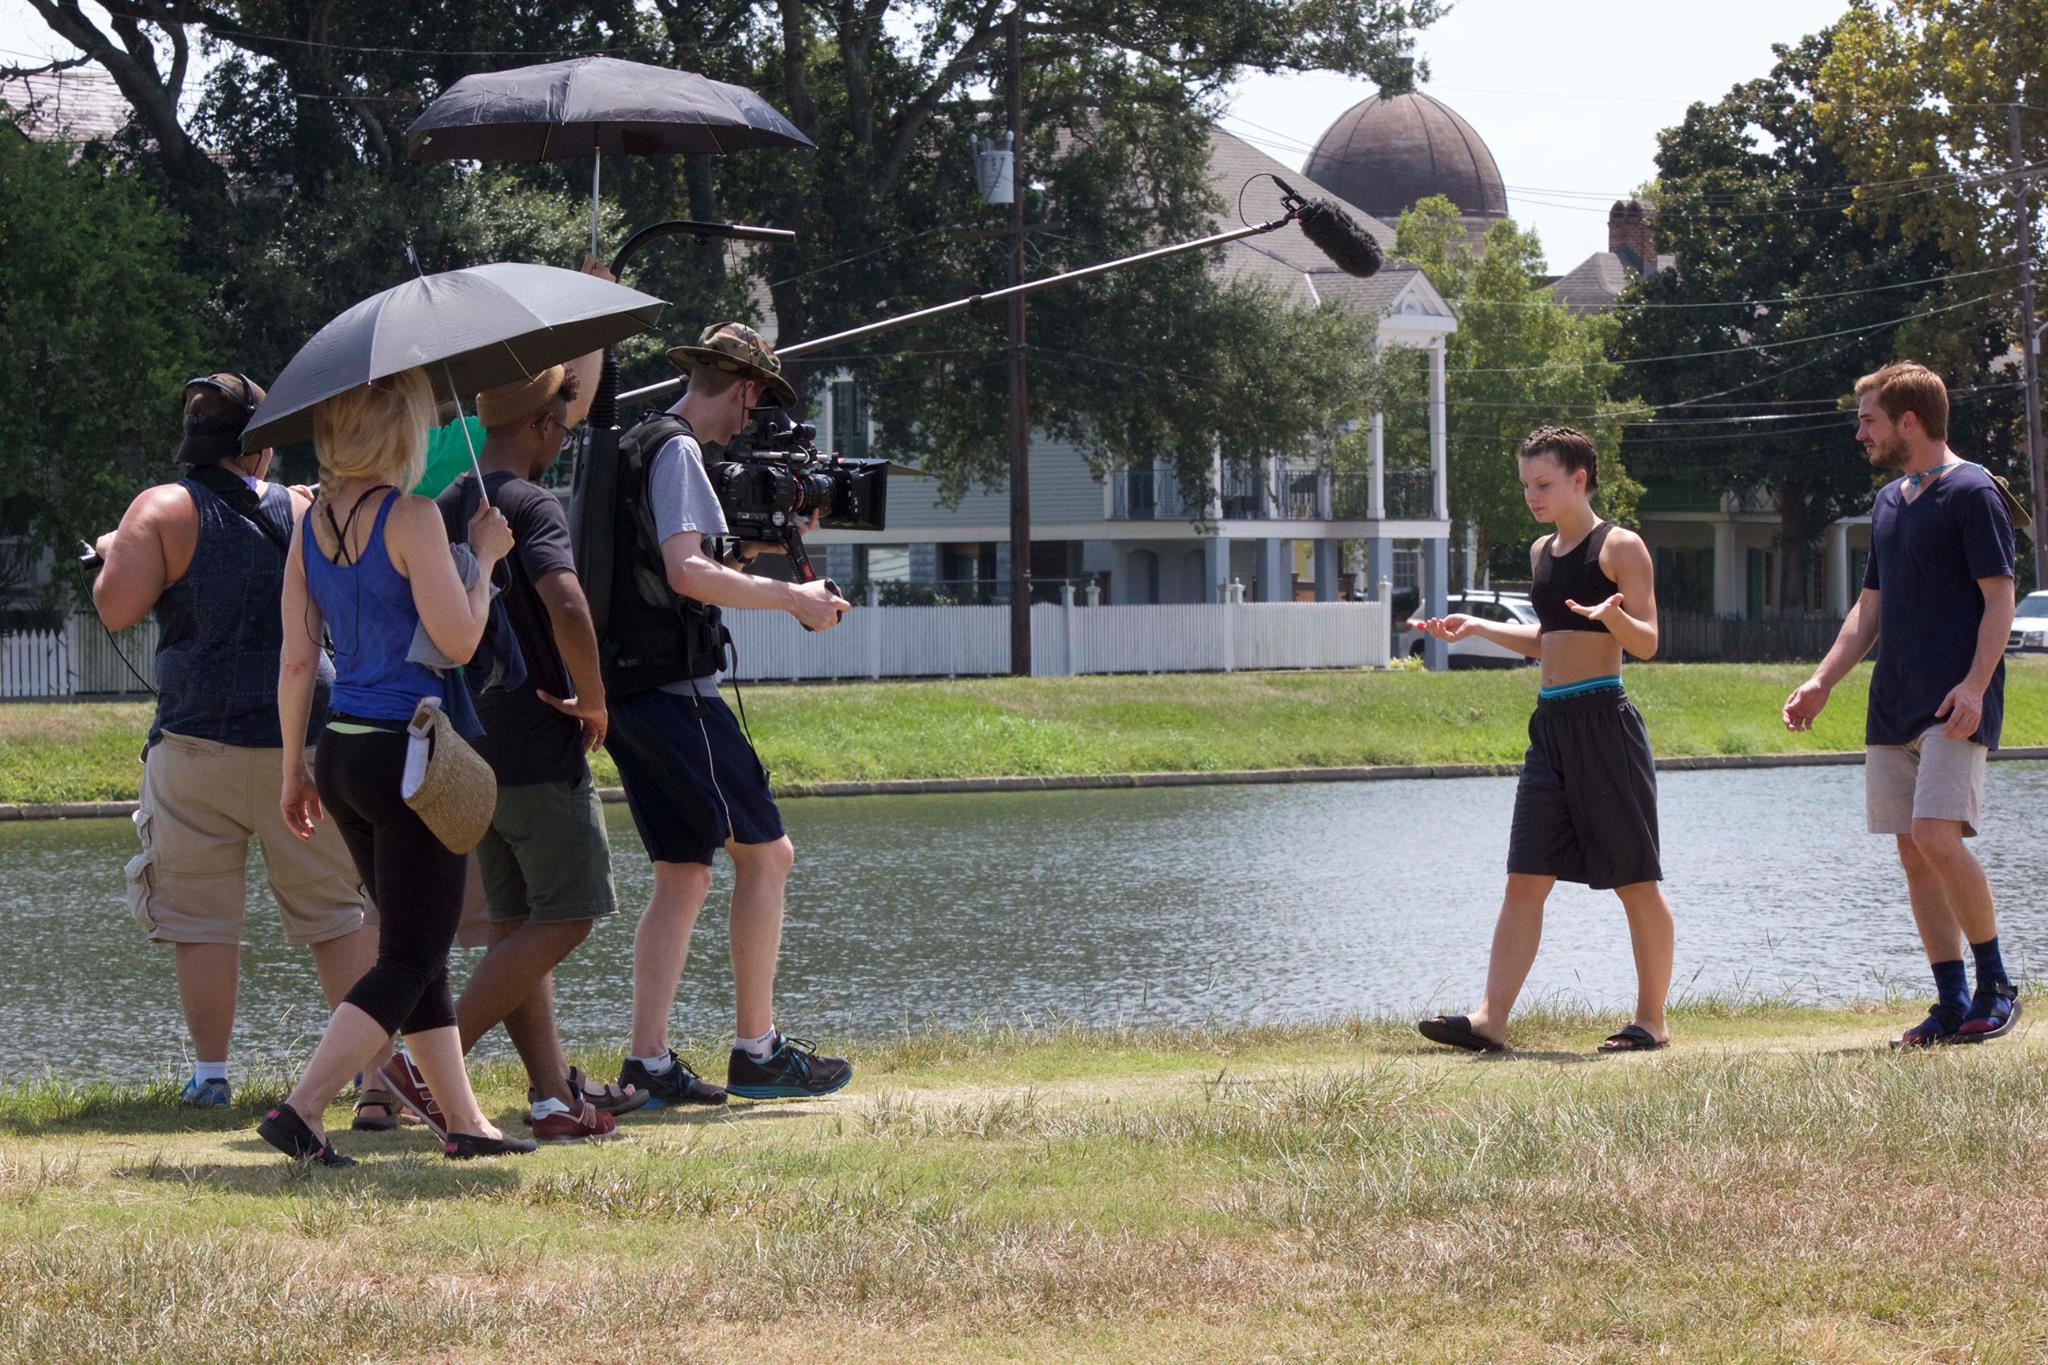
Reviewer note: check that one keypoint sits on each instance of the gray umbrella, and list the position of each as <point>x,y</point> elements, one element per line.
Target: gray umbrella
<point>469,329</point>
<point>589,106</point>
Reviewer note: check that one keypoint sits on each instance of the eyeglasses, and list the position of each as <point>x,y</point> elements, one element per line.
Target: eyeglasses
<point>567,432</point>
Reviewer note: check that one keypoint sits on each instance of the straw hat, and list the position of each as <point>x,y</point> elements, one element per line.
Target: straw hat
<point>509,403</point>
<point>447,783</point>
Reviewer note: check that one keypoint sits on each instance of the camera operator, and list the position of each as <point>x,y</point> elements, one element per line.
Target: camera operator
<point>207,555</point>
<point>691,776</point>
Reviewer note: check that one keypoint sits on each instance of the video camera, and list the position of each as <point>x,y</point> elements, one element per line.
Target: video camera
<point>775,478</point>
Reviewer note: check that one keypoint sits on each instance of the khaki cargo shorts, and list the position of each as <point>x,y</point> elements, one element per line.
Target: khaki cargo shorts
<point>1933,778</point>
<point>202,802</point>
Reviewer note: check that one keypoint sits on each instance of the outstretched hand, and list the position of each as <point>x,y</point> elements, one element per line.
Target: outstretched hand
<point>1450,628</point>
<point>1599,611</point>
<point>592,715</point>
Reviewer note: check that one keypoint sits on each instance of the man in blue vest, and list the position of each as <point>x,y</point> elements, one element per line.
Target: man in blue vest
<point>206,554</point>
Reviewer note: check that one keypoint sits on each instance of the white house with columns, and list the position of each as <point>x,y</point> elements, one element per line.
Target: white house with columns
<point>1289,527</point>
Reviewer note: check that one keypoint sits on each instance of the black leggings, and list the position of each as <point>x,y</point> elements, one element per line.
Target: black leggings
<point>415,880</point>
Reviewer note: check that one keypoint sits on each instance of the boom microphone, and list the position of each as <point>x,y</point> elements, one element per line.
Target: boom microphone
<point>1350,247</point>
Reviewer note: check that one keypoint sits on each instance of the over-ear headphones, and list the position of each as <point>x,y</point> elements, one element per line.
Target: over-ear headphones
<point>210,438</point>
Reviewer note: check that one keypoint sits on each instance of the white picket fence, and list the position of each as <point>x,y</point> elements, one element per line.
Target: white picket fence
<point>929,642</point>
<point>78,660</point>
<point>872,642</point>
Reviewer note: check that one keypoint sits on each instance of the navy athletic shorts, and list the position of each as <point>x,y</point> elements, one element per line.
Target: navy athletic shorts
<point>1586,808</point>
<point>692,780</point>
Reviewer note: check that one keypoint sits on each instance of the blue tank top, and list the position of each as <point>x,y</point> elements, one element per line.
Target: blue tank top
<point>219,631</point>
<point>370,623</point>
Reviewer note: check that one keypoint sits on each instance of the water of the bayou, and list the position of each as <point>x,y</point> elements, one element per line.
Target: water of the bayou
<point>1191,904</point>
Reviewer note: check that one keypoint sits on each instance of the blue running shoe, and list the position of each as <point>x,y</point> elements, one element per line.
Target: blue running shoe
<point>794,1071</point>
<point>198,1094</point>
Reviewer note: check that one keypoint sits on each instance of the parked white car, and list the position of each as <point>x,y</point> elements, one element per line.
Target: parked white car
<point>2029,626</point>
<point>1509,608</point>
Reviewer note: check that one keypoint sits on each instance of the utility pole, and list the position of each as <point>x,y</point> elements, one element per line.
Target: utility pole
<point>2030,353</point>
<point>1020,418</point>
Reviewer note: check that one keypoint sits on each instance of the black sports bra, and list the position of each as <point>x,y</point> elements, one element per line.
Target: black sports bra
<point>1576,576</point>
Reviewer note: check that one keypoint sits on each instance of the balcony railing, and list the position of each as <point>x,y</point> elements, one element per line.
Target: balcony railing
<point>1285,493</point>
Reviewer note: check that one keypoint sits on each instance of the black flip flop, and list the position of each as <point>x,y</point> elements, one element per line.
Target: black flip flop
<point>1455,1030</point>
<point>1631,1038</point>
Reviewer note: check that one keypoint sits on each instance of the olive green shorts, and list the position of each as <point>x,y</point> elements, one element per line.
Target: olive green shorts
<point>546,857</point>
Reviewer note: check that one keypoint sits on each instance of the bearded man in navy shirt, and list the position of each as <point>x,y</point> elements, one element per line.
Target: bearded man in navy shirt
<point>1939,596</point>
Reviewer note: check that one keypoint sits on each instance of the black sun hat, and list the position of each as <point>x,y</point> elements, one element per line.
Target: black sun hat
<point>736,347</point>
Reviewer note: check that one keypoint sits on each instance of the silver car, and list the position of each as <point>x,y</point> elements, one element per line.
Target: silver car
<point>2029,626</point>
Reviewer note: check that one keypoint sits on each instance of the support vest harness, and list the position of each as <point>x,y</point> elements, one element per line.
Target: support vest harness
<point>654,635</point>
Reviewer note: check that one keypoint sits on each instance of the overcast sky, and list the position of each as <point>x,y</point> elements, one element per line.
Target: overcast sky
<point>1568,94</point>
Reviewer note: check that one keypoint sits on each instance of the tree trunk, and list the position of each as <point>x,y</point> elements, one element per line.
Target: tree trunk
<point>1795,517</point>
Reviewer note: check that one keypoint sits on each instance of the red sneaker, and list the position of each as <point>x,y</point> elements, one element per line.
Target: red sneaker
<point>586,1125</point>
<point>404,1080</point>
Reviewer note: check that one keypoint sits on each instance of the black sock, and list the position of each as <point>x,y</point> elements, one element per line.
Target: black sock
<point>1952,984</point>
<point>1990,966</point>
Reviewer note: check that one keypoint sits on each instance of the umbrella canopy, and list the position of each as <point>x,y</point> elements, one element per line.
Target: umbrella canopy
<point>470,329</point>
<point>592,105</point>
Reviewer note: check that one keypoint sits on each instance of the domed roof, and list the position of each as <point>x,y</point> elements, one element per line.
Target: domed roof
<point>1387,152</point>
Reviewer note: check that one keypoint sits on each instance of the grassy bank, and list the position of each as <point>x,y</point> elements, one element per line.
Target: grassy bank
<point>1779,1186</point>
<point>1177,722</point>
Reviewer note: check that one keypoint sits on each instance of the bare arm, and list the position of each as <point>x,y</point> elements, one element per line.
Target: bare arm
<point>298,663</point>
<point>417,542</point>
<point>1631,614</point>
<point>576,638</point>
<point>1524,640</point>
<point>137,568</point>
<point>695,575</point>
<point>1962,710</point>
<point>1852,643</point>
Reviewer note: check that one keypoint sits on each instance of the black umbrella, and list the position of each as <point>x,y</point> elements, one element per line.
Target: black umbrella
<point>469,329</point>
<point>589,106</point>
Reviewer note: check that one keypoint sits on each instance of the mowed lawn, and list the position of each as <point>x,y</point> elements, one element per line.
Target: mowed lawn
<point>986,727</point>
<point>1778,1186</point>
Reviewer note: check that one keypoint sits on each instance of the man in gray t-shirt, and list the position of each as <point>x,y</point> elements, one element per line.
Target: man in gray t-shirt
<point>692,779</point>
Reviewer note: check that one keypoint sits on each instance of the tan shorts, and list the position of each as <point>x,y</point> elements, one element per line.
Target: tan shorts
<point>201,804</point>
<point>1933,778</point>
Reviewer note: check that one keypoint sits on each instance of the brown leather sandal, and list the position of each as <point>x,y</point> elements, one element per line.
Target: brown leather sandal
<point>375,1099</point>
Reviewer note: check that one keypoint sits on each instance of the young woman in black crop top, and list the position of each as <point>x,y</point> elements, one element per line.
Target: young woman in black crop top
<point>1586,806</point>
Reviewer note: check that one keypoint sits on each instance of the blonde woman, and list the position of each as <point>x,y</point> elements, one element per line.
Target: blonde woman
<point>369,565</point>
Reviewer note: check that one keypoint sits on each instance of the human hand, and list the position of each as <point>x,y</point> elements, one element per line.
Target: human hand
<point>592,267</point>
<point>490,535</point>
<point>1964,707</point>
<point>592,714</point>
<point>102,545</point>
<point>1804,705</point>
<point>1599,611</point>
<point>299,799</point>
<point>1450,629</point>
<point>817,606</point>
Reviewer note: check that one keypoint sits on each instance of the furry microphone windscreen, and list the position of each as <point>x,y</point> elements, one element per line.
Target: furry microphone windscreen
<point>1350,247</point>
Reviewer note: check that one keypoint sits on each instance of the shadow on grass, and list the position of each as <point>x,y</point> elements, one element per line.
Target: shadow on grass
<point>412,1174</point>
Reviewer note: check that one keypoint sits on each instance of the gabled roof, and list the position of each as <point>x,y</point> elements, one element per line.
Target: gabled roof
<point>79,105</point>
<point>1593,284</point>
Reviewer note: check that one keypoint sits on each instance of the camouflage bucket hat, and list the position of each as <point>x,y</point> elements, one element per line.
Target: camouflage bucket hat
<point>737,347</point>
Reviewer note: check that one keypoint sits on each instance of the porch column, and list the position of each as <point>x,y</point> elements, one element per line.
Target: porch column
<point>1379,563</point>
<point>1376,463</point>
<point>1436,576</point>
<point>1839,587</point>
<point>1276,570</point>
<point>1215,567</point>
<point>1326,570</point>
<point>1731,572</point>
<point>1440,501</point>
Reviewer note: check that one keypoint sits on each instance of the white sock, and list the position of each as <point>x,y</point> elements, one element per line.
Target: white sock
<point>542,1108</point>
<point>656,1066</point>
<point>761,1048</point>
<point>209,1071</point>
